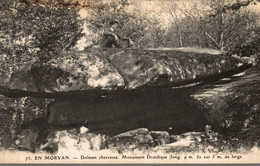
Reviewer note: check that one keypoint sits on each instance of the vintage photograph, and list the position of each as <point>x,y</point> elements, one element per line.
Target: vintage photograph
<point>129,81</point>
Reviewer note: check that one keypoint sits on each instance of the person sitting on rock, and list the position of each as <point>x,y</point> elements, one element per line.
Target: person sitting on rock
<point>112,39</point>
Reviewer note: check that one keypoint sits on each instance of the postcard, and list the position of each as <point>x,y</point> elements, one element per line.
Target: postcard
<point>128,81</point>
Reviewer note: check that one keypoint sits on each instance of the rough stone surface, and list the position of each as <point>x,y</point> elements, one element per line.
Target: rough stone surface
<point>122,68</point>
<point>189,141</point>
<point>233,103</point>
<point>74,141</point>
<point>64,140</point>
<point>166,67</point>
<point>22,78</point>
<point>76,71</point>
<point>139,139</point>
<point>160,137</point>
<point>188,137</point>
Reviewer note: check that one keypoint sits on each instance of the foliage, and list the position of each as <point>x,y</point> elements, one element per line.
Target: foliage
<point>29,28</point>
<point>28,31</point>
<point>210,24</point>
<point>249,46</point>
<point>142,30</point>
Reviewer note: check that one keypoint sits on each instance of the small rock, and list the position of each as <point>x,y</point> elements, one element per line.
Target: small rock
<point>135,139</point>
<point>83,130</point>
<point>189,136</point>
<point>160,137</point>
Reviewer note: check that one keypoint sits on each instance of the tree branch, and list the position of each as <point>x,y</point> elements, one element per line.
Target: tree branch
<point>212,39</point>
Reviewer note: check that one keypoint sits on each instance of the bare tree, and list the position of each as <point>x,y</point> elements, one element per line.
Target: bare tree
<point>215,25</point>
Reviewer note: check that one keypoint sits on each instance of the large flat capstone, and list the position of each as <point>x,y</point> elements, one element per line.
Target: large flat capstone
<point>113,69</point>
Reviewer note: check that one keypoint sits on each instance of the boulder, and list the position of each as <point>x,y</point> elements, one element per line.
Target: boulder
<point>113,69</point>
<point>188,137</point>
<point>232,104</point>
<point>138,139</point>
<point>76,71</point>
<point>195,142</point>
<point>161,137</point>
<point>23,79</point>
<point>112,91</point>
<point>88,86</point>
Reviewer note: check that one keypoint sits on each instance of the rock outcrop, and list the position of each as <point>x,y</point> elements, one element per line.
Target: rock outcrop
<point>232,104</point>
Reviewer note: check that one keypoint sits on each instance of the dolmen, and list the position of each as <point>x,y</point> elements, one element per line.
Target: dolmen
<point>115,90</point>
